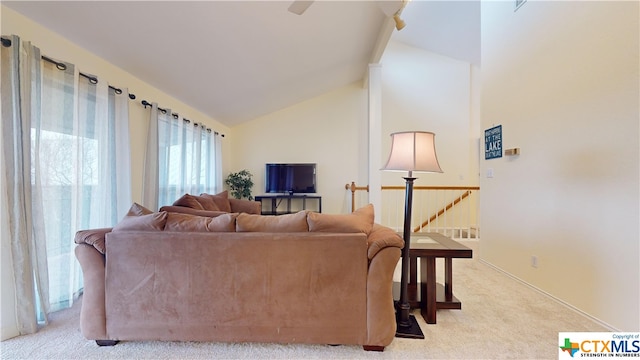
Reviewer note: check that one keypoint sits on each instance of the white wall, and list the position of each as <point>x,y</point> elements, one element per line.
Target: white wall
<point>326,130</point>
<point>429,92</point>
<point>562,79</point>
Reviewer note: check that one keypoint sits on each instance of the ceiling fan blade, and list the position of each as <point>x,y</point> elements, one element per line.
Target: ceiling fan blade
<point>300,6</point>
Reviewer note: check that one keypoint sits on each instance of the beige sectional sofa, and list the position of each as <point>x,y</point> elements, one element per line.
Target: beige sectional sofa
<point>237,277</point>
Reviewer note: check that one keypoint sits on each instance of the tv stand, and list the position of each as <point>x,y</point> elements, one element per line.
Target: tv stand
<point>276,201</point>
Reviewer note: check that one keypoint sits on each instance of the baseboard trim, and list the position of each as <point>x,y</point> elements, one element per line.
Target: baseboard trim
<point>8,332</point>
<point>562,302</point>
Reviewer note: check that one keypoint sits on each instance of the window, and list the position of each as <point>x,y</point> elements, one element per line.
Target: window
<point>186,159</point>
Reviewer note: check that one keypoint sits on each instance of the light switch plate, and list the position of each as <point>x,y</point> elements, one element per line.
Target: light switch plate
<point>490,172</point>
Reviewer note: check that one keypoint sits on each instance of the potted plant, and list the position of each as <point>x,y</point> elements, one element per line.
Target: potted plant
<point>240,184</point>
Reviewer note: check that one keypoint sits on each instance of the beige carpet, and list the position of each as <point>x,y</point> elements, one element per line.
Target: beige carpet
<point>501,318</point>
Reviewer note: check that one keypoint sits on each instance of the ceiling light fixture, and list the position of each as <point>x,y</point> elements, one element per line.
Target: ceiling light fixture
<point>400,24</point>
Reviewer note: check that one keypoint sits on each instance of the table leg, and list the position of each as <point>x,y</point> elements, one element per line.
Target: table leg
<point>448,279</point>
<point>412,289</point>
<point>413,270</point>
<point>428,288</point>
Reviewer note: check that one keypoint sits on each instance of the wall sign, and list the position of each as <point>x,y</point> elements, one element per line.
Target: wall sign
<point>493,142</point>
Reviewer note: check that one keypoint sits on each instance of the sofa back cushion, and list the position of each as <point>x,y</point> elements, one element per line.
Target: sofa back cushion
<point>245,206</point>
<point>191,223</point>
<point>186,223</point>
<point>268,223</point>
<point>360,221</point>
<point>223,223</point>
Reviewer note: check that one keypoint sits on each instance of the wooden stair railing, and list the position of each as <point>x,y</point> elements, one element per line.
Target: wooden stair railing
<point>467,192</point>
<point>442,211</point>
<point>353,189</point>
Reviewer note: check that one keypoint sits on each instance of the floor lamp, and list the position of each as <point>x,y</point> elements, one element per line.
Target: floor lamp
<point>410,151</point>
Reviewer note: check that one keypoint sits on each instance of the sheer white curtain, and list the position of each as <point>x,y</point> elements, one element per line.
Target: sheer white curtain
<point>217,176</point>
<point>21,82</point>
<point>182,157</point>
<point>68,171</point>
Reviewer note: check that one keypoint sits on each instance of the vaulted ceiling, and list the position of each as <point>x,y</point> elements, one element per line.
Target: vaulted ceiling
<point>237,60</point>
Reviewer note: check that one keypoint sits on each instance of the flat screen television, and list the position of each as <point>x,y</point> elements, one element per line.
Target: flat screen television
<point>290,178</point>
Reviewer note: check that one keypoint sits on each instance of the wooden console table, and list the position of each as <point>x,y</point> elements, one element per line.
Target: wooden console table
<point>433,296</point>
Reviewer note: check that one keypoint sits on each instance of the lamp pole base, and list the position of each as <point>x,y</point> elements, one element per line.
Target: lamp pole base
<point>412,331</point>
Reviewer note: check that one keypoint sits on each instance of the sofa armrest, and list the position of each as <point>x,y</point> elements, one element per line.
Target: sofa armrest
<point>381,318</point>
<point>383,250</point>
<point>381,237</point>
<point>190,211</point>
<point>93,318</point>
<point>93,237</point>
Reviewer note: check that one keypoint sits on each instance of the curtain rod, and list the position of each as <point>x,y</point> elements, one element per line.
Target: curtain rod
<point>62,66</point>
<point>145,103</point>
<point>92,79</point>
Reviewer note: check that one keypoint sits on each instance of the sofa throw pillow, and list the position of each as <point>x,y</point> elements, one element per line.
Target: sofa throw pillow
<point>138,210</point>
<point>189,201</point>
<point>268,223</point>
<point>359,221</point>
<point>153,222</point>
<point>221,200</point>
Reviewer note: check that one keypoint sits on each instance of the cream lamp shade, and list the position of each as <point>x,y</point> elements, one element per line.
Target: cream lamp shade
<point>413,151</point>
